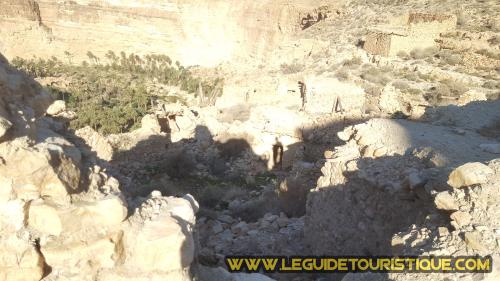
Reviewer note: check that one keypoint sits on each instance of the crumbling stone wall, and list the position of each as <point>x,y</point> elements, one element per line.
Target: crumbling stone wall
<point>431,22</point>
<point>378,43</point>
<point>323,95</point>
<point>421,31</point>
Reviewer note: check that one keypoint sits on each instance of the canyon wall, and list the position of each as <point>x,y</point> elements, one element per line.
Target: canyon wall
<point>205,32</point>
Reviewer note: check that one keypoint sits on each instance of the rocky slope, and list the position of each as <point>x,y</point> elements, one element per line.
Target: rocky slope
<point>395,152</point>
<point>65,218</point>
<point>399,195</point>
<point>53,218</point>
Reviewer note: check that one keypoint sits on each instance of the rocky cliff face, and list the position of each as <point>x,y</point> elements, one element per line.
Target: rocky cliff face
<point>194,32</point>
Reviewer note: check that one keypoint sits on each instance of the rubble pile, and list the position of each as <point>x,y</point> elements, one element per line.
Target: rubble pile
<point>269,235</point>
<point>398,196</point>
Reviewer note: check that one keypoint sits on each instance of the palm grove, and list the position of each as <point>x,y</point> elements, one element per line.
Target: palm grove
<point>112,95</point>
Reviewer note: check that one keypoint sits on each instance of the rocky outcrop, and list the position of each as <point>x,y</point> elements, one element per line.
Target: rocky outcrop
<point>62,220</point>
<point>469,174</point>
<point>22,9</point>
<point>374,187</point>
<point>193,32</point>
<point>269,235</point>
<point>95,143</point>
<point>473,230</point>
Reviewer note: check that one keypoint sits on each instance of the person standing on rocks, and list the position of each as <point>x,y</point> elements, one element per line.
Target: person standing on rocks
<point>303,94</point>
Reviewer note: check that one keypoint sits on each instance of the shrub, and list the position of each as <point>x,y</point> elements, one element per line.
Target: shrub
<point>342,75</point>
<point>489,54</point>
<point>492,85</point>
<point>375,75</point>
<point>423,53</point>
<point>495,40</point>
<point>427,77</point>
<point>403,55</point>
<point>353,62</point>
<point>413,92</point>
<point>291,68</point>
<point>401,85</point>
<point>449,57</point>
<point>409,75</point>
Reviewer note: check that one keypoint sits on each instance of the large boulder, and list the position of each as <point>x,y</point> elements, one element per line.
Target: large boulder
<point>4,126</point>
<point>160,245</point>
<point>445,201</point>
<point>44,218</point>
<point>19,261</point>
<point>95,143</point>
<point>469,174</point>
<point>150,123</point>
<point>57,107</point>
<point>79,253</point>
<point>102,213</point>
<point>391,100</point>
<point>158,238</point>
<point>45,173</point>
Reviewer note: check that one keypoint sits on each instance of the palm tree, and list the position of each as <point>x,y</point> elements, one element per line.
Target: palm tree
<point>92,57</point>
<point>69,56</point>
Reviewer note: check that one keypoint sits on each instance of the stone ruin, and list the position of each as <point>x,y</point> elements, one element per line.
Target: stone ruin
<point>324,95</point>
<point>419,32</point>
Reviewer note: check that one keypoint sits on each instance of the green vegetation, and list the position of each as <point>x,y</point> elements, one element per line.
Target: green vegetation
<point>112,95</point>
<point>342,75</point>
<point>380,76</point>
<point>489,54</point>
<point>418,54</point>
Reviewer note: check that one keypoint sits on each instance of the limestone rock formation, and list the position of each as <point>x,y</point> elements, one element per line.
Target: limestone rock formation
<point>95,143</point>
<point>4,126</point>
<point>473,229</point>
<point>371,196</point>
<point>194,32</point>
<point>61,222</point>
<point>469,174</point>
<point>56,108</point>
<point>395,151</point>
<point>20,260</point>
